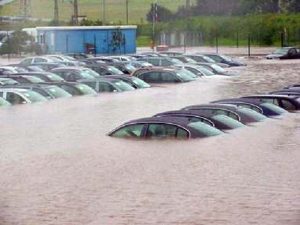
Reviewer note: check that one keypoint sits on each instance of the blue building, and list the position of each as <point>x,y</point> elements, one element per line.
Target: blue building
<point>108,40</point>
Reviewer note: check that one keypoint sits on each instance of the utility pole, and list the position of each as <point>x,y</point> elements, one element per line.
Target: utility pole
<point>56,18</point>
<point>75,16</point>
<point>127,12</point>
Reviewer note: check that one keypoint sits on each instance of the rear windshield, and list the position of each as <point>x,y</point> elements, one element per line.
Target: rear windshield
<point>34,79</point>
<point>274,108</point>
<point>251,113</point>
<point>184,76</point>
<point>140,83</point>
<point>228,121</point>
<point>114,70</point>
<point>205,129</point>
<point>85,89</point>
<point>54,77</point>
<point>58,92</point>
<point>123,85</point>
<point>34,96</point>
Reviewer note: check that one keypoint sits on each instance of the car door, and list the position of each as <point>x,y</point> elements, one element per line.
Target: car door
<point>130,131</point>
<point>158,131</point>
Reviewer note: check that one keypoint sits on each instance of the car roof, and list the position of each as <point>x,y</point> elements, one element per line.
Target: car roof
<point>214,106</point>
<point>270,96</point>
<point>181,121</point>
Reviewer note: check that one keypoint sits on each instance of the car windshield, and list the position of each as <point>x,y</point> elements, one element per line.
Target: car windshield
<point>228,121</point>
<point>177,61</point>
<point>281,51</point>
<point>6,81</point>
<point>219,69</point>
<point>85,89</point>
<point>33,79</point>
<point>89,73</point>
<point>205,129</point>
<point>185,76</point>
<point>140,83</point>
<point>123,85</point>
<point>4,102</point>
<point>189,73</point>
<point>207,59</point>
<point>251,113</point>
<point>54,77</point>
<point>130,68</point>
<point>58,92</point>
<point>34,96</point>
<point>189,60</point>
<point>114,70</point>
<point>205,71</point>
<point>227,58</point>
<point>274,108</point>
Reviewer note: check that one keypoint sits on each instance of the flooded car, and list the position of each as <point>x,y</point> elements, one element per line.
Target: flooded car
<point>285,53</point>
<point>21,96</point>
<point>243,115</point>
<point>164,127</point>
<point>221,122</point>
<point>289,103</point>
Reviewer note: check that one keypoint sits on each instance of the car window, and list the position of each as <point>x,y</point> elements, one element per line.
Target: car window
<point>26,61</point>
<point>287,105</point>
<point>226,113</point>
<point>270,100</point>
<point>165,62</point>
<point>38,60</point>
<point>130,131</point>
<point>228,121</point>
<point>14,98</point>
<point>274,108</point>
<point>165,131</point>
<point>70,89</point>
<point>204,129</point>
<point>106,87</point>
<point>150,76</point>
<point>154,62</point>
<point>168,77</point>
<point>252,114</point>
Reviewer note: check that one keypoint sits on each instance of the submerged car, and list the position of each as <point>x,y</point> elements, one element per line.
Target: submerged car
<point>21,96</point>
<point>108,85</point>
<point>267,109</point>
<point>75,88</point>
<point>289,103</point>
<point>285,53</point>
<point>219,58</point>
<point>164,75</point>
<point>243,115</point>
<point>221,122</point>
<point>164,127</point>
<point>75,73</point>
<point>133,81</point>
<point>46,76</point>
<point>47,90</point>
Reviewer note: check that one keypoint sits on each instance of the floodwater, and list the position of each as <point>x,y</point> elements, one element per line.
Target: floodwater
<point>58,167</point>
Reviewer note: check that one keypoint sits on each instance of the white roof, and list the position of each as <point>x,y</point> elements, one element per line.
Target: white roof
<point>87,28</point>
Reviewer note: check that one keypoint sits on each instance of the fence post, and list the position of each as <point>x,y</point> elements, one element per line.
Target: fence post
<point>217,43</point>
<point>249,45</point>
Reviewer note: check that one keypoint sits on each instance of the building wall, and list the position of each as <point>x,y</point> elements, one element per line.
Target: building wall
<point>100,41</point>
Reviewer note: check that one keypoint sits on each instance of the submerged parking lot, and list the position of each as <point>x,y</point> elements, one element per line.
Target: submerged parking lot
<point>59,167</point>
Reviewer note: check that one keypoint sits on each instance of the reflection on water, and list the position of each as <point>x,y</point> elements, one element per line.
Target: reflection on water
<point>59,167</point>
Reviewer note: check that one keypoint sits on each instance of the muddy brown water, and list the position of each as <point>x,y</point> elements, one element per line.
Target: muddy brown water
<point>58,166</point>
